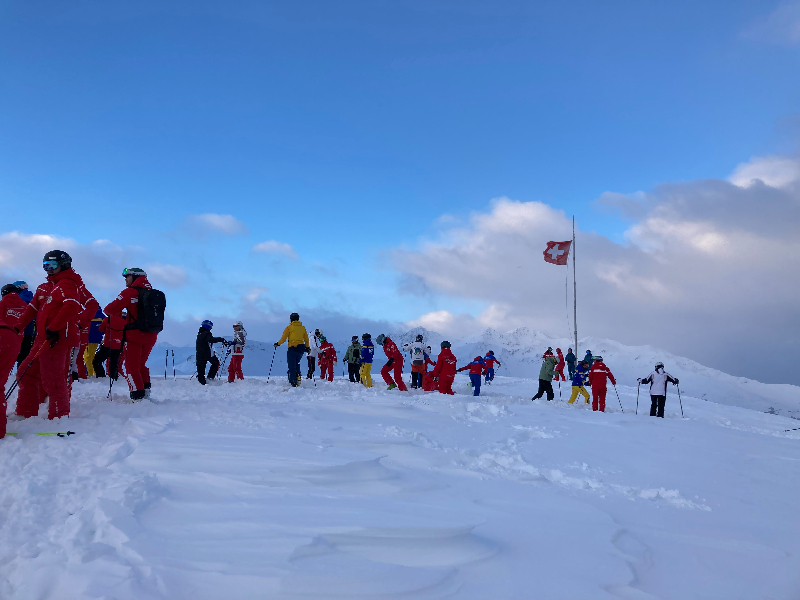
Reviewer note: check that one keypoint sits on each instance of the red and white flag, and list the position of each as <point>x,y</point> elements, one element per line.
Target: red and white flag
<point>557,252</point>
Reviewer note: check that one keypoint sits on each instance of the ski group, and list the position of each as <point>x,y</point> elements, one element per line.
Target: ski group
<point>59,334</point>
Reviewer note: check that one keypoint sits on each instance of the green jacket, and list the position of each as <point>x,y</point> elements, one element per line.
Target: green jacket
<point>353,354</point>
<point>548,366</point>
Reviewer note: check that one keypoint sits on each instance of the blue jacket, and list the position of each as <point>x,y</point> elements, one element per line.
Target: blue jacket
<point>95,337</point>
<point>570,358</point>
<point>581,375</point>
<point>27,296</point>
<point>367,350</point>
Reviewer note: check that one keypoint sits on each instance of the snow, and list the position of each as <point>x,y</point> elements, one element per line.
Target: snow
<point>259,490</point>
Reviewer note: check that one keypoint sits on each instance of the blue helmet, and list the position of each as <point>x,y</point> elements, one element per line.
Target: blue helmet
<point>20,283</point>
<point>207,324</point>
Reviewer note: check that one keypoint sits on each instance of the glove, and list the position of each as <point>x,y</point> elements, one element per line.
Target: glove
<point>676,381</point>
<point>52,337</point>
<point>639,380</point>
<point>308,350</point>
<point>275,344</point>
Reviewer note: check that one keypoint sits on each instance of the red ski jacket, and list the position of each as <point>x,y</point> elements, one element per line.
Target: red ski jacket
<point>12,307</point>
<point>391,351</point>
<point>56,306</point>
<point>112,327</point>
<point>490,362</point>
<point>598,374</point>
<point>561,363</point>
<point>445,364</point>
<point>327,352</point>
<point>129,298</point>
<point>476,367</point>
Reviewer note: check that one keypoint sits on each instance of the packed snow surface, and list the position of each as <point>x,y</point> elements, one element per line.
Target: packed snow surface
<point>258,490</point>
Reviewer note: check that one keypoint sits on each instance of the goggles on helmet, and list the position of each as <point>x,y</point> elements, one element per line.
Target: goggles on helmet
<point>50,265</point>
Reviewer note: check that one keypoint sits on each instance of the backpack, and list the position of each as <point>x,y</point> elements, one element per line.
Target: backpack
<point>150,317</point>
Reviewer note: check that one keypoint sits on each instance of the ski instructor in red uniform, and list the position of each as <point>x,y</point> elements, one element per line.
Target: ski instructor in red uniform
<point>138,340</point>
<point>56,306</point>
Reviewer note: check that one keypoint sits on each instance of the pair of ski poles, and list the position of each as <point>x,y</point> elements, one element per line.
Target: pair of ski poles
<point>638,387</point>
<point>166,360</point>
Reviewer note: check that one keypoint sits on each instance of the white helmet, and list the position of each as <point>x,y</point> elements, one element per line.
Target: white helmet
<point>239,323</point>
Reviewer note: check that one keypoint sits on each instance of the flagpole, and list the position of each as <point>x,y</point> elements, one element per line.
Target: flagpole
<point>574,289</point>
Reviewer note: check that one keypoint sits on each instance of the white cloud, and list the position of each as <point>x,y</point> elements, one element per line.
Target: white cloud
<point>774,171</point>
<point>274,247</point>
<point>169,276</point>
<point>711,271</point>
<point>224,224</point>
<point>781,26</point>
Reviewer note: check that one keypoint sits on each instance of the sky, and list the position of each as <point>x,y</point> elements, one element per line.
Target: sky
<point>388,164</point>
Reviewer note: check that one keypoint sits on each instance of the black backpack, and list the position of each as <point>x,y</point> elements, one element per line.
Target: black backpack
<point>151,307</point>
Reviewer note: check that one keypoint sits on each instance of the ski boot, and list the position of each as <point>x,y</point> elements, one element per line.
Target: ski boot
<point>391,386</point>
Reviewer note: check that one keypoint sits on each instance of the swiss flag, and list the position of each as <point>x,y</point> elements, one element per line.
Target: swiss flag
<point>557,252</point>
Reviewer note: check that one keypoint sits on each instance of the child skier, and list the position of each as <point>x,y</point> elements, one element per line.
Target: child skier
<point>546,376</point>
<point>578,381</point>
<point>367,355</point>
<point>570,358</point>
<point>428,383</point>
<point>327,359</point>
<point>417,351</point>
<point>560,366</point>
<point>353,359</point>
<point>313,353</point>
<point>239,342</point>
<point>489,359</point>
<point>476,368</point>
<point>395,363</point>
<point>597,378</point>
<point>205,340</point>
<point>445,371</point>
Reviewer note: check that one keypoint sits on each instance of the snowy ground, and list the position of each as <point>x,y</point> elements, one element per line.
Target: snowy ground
<point>254,490</point>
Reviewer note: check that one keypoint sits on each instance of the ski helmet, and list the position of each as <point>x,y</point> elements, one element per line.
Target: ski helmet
<point>354,339</point>
<point>659,365</point>
<point>419,337</point>
<point>207,324</point>
<point>9,288</point>
<point>56,259</point>
<point>445,344</point>
<point>323,339</point>
<point>294,317</point>
<point>490,352</point>
<point>366,336</point>
<point>134,272</point>
<point>380,339</point>
<point>21,284</point>
<point>238,324</point>
<point>598,358</point>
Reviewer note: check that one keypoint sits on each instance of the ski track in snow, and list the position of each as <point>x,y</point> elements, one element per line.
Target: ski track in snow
<point>258,490</point>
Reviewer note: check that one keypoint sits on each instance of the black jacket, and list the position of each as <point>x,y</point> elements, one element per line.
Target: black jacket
<point>203,344</point>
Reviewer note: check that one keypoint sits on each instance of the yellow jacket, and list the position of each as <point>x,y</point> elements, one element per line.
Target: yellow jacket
<point>296,334</point>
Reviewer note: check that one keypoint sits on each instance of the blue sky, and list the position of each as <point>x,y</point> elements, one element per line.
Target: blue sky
<point>349,129</point>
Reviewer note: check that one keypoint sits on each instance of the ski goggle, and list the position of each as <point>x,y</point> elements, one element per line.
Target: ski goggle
<point>50,265</point>
<point>126,272</point>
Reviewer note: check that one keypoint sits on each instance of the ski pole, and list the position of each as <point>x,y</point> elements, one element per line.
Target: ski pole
<point>618,400</point>
<point>637,397</point>
<point>20,376</point>
<point>270,364</point>
<point>174,375</point>
<point>680,401</point>
<point>795,429</point>
<point>166,360</point>
<point>559,390</point>
<point>110,385</point>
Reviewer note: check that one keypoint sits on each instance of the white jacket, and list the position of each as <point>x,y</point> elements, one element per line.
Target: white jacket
<point>314,346</point>
<point>239,342</point>
<point>658,382</point>
<point>417,351</point>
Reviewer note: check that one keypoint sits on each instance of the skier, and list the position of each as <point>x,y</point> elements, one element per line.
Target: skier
<point>395,362</point>
<point>588,357</point>
<point>428,383</point>
<point>476,369</point>
<point>367,356</point>
<point>445,371</point>
<point>29,333</point>
<point>239,342</point>
<point>417,351</point>
<point>297,338</point>
<point>313,353</point>
<point>570,359</point>
<point>578,381</point>
<point>140,333</point>
<point>112,328</point>
<point>56,306</point>
<point>546,376</point>
<point>560,366</point>
<point>597,378</point>
<point>658,389</point>
<point>327,359</point>
<point>490,360</point>
<point>353,359</point>
<point>11,309</point>
<point>93,340</point>
<point>202,346</point>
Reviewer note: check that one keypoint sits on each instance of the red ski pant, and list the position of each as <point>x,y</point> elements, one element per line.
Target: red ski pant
<point>235,368</point>
<point>559,373</point>
<point>397,366</point>
<point>82,373</point>
<point>46,376</point>
<point>136,353</point>
<point>10,343</point>
<point>446,384</point>
<point>326,370</point>
<point>598,398</point>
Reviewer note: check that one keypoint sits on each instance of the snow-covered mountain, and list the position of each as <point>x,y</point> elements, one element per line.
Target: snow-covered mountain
<point>520,354</point>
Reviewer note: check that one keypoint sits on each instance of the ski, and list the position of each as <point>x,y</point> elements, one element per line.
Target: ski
<point>48,433</point>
